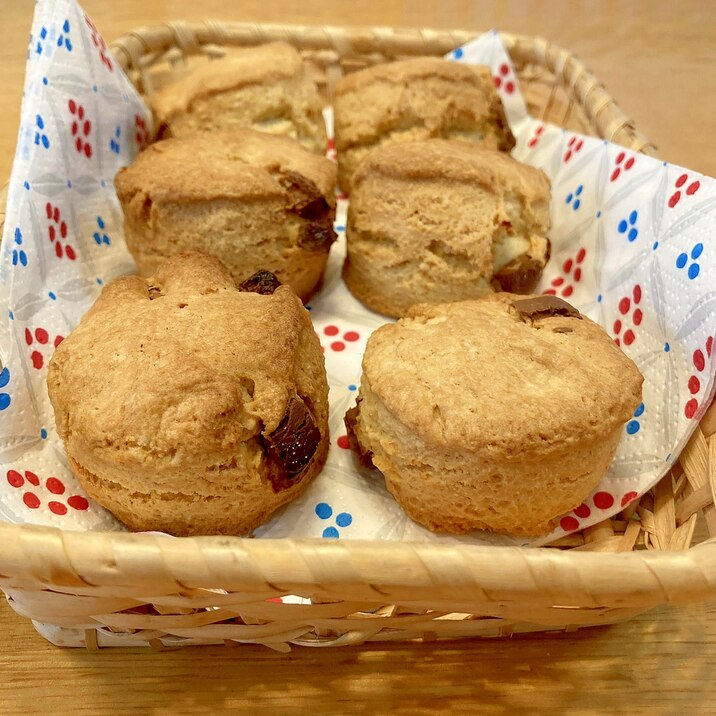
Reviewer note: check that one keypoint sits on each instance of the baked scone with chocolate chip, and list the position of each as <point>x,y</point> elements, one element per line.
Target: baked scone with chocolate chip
<point>419,98</point>
<point>190,405</point>
<point>252,200</point>
<point>267,88</point>
<point>498,414</point>
<point>437,221</point>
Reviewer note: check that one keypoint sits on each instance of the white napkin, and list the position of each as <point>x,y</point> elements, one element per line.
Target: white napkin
<point>629,249</point>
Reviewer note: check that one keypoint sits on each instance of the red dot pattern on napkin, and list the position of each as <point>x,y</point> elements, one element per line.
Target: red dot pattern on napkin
<point>141,132</point>
<point>100,44</point>
<point>628,497</point>
<point>694,383</point>
<point>81,128</point>
<point>331,152</point>
<point>571,274</point>
<point>32,498</point>
<point>621,165</point>
<point>340,345</point>
<point>534,139</point>
<point>679,184</point>
<point>629,313</point>
<point>574,146</point>
<point>583,511</point>
<point>569,524</point>
<point>504,80</point>
<point>57,232</point>
<point>39,342</point>
<point>601,500</point>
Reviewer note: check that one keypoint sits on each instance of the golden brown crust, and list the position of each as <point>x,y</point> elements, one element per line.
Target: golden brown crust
<point>234,164</point>
<point>253,200</point>
<point>453,161</point>
<point>567,386</point>
<point>402,72</point>
<point>487,415</point>
<point>263,64</point>
<point>438,220</point>
<point>168,388</point>
<point>420,98</point>
<point>266,87</point>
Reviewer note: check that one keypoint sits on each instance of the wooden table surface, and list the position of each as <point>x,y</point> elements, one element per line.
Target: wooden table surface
<point>658,58</point>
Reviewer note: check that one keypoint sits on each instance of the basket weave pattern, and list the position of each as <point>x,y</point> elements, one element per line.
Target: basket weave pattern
<point>216,589</point>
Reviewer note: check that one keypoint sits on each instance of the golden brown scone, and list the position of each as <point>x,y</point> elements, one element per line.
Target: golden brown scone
<point>250,199</point>
<point>437,220</point>
<point>414,99</point>
<point>189,406</point>
<point>266,88</point>
<point>499,414</point>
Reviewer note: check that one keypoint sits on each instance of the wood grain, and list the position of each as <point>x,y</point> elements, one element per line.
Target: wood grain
<point>663,663</point>
<point>657,58</point>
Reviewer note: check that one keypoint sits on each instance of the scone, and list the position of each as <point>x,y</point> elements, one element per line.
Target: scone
<point>189,405</point>
<point>437,220</point>
<point>250,199</point>
<point>414,99</point>
<point>494,414</point>
<point>266,88</point>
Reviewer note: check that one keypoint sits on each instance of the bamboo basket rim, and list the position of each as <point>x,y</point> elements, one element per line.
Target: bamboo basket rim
<point>139,48</point>
<point>75,562</point>
<point>383,569</point>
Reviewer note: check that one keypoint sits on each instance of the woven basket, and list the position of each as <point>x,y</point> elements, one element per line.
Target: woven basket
<point>118,588</point>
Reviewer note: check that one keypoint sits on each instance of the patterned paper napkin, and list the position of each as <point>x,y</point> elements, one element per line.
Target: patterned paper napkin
<point>630,249</point>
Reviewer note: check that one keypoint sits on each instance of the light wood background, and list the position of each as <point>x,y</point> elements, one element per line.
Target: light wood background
<point>658,58</point>
<point>663,663</point>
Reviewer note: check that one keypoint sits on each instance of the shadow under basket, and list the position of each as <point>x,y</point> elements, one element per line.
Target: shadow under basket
<point>102,589</point>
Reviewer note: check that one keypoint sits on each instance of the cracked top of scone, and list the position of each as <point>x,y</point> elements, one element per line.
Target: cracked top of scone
<point>182,368</point>
<point>264,64</point>
<point>455,161</point>
<point>424,95</point>
<point>404,71</point>
<point>501,375</point>
<point>233,164</point>
<point>447,216</point>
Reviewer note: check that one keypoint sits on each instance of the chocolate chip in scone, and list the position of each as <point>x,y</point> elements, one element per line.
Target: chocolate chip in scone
<point>291,446</point>
<point>263,282</point>
<point>544,306</point>
<point>520,275</point>
<point>305,198</point>
<point>163,132</point>
<point>316,237</point>
<point>365,457</point>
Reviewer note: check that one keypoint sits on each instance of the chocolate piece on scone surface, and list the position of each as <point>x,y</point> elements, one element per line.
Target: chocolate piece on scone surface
<point>521,275</point>
<point>498,414</point>
<point>292,445</point>
<point>263,282</point>
<point>543,306</point>
<point>190,406</point>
